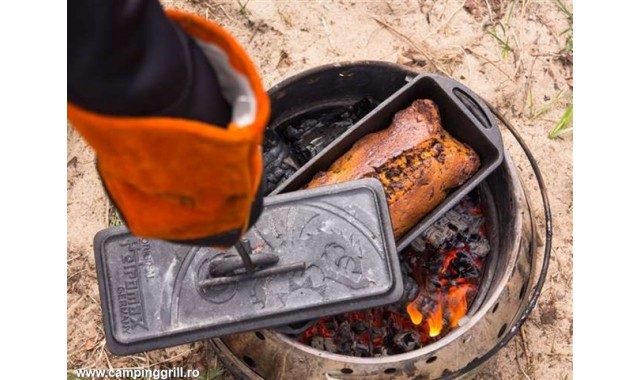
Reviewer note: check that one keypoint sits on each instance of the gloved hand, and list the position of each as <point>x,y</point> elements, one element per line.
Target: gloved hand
<point>181,179</point>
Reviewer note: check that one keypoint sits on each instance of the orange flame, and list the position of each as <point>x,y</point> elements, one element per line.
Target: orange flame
<point>414,313</point>
<point>435,321</point>
<point>453,305</point>
<point>457,303</point>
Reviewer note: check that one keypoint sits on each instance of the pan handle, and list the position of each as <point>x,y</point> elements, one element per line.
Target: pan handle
<point>474,106</point>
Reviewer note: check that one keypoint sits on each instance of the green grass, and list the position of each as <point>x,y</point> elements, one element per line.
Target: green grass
<point>569,31</point>
<point>503,42</point>
<point>211,374</point>
<point>114,217</point>
<point>565,124</point>
<point>563,8</point>
<point>243,7</point>
<point>500,33</point>
<point>535,113</point>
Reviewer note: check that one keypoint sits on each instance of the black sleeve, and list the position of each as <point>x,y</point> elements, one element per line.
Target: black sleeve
<point>126,58</point>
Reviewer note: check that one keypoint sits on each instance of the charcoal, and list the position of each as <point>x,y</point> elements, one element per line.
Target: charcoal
<point>407,340</point>
<point>439,233</point>
<point>456,220</point>
<point>410,289</point>
<point>318,342</point>
<point>419,245</point>
<point>426,304</point>
<point>344,348</point>
<point>462,266</point>
<point>361,108</point>
<point>480,248</point>
<point>292,133</point>
<point>330,345</point>
<point>476,223</point>
<point>279,163</point>
<point>331,325</point>
<point>474,237</point>
<point>344,330</point>
<point>308,137</point>
<point>285,153</point>
<point>321,343</point>
<point>361,350</point>
<point>358,327</point>
<point>433,263</point>
<point>405,268</point>
<point>380,332</point>
<point>314,136</point>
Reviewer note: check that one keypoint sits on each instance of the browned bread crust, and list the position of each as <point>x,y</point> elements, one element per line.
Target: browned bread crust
<point>416,160</point>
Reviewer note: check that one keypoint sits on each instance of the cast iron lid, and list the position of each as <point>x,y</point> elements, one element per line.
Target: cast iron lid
<point>318,252</point>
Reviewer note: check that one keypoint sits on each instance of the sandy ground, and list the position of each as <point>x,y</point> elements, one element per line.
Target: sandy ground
<point>527,76</point>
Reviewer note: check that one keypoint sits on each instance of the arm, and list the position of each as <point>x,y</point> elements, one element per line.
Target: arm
<point>148,93</point>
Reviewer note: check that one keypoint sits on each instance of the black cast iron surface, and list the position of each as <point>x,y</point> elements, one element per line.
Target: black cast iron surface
<point>463,115</point>
<point>153,292</point>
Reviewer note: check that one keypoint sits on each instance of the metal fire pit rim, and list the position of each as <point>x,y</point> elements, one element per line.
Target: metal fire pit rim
<point>344,64</point>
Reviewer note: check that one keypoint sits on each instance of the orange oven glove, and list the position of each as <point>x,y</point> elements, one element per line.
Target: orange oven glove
<point>180,179</point>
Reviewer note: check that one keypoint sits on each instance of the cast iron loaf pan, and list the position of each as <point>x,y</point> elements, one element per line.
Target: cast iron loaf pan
<point>463,115</point>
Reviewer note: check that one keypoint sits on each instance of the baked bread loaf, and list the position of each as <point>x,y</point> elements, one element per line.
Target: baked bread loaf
<point>416,160</point>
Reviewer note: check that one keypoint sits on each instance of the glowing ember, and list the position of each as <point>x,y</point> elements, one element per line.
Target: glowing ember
<point>457,271</point>
<point>431,305</point>
<point>446,267</point>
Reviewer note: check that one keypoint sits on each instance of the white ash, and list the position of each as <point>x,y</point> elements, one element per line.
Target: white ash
<point>455,221</point>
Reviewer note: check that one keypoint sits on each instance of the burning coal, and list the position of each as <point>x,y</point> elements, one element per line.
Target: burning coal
<point>442,272</point>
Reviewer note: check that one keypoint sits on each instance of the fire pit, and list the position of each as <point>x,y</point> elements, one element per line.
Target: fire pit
<point>474,298</point>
